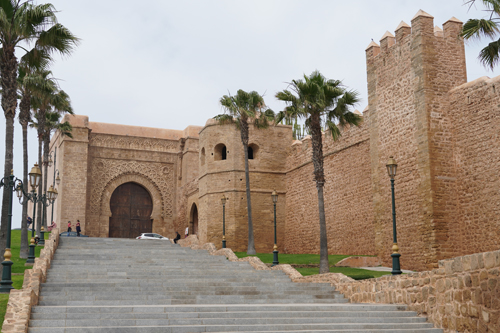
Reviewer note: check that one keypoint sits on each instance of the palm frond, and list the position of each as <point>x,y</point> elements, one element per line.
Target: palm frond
<point>476,29</point>
<point>57,38</point>
<point>224,119</point>
<point>490,55</point>
<point>333,130</point>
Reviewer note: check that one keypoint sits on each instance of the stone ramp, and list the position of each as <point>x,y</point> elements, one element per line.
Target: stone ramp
<point>123,285</point>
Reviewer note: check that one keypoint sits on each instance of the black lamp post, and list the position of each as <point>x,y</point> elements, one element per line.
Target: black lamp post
<point>6,283</point>
<point>391,169</point>
<point>47,199</point>
<point>44,212</point>
<point>55,180</point>
<point>274,195</point>
<point>223,200</point>
<point>35,175</point>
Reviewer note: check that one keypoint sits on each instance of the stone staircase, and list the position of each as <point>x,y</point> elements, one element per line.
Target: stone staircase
<point>128,285</point>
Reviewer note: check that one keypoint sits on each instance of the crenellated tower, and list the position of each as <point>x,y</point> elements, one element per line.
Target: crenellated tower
<point>409,77</point>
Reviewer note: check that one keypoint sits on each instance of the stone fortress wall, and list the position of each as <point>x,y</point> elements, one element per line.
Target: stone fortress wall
<point>444,134</point>
<point>442,131</point>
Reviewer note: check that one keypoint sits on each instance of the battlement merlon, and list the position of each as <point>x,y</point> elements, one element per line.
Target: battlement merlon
<point>421,23</point>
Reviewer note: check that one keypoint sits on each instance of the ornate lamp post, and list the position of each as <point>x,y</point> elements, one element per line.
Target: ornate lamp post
<point>274,195</point>
<point>44,213</point>
<point>391,170</point>
<point>223,200</point>
<point>55,180</point>
<point>35,175</point>
<point>47,200</point>
<point>6,283</point>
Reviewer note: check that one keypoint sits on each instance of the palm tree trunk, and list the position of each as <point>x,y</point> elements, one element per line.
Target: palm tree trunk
<point>24,225</point>
<point>244,140</point>
<point>319,177</point>
<point>24,117</point>
<point>8,74</point>
<point>40,185</point>
<point>46,143</point>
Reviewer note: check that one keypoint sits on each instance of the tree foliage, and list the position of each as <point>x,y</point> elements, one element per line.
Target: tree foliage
<point>243,109</point>
<point>485,28</point>
<point>322,103</point>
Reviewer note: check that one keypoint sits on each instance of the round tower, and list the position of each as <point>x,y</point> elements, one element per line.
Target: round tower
<point>222,172</point>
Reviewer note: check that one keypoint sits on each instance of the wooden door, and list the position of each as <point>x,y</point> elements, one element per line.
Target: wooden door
<point>131,208</point>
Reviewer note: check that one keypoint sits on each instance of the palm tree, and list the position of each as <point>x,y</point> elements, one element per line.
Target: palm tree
<point>22,22</point>
<point>243,109</point>
<point>28,78</point>
<point>47,97</point>
<point>320,102</point>
<point>476,29</point>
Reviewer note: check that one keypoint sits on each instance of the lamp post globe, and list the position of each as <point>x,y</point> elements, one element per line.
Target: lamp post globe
<point>223,200</point>
<point>35,175</point>
<point>391,170</point>
<point>274,196</point>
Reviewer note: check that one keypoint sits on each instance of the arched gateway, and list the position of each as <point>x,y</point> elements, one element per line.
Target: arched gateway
<point>131,208</point>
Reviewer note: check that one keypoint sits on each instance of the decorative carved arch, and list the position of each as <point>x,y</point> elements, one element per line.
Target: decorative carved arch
<point>148,184</point>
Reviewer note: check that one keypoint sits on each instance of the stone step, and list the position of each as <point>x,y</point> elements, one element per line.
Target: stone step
<point>308,327</point>
<point>116,285</point>
<point>128,322</point>
<point>247,314</point>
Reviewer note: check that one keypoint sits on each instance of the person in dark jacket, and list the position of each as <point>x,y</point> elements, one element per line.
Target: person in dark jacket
<point>177,237</point>
<point>78,229</point>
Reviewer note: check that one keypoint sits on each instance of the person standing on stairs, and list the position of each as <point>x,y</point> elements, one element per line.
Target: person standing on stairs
<point>177,237</point>
<point>69,226</point>
<point>78,229</point>
<point>187,232</point>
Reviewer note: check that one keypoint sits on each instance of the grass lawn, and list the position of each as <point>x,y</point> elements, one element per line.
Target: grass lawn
<point>308,259</point>
<point>18,267</point>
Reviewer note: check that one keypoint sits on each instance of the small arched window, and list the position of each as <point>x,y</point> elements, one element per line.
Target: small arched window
<point>253,150</point>
<point>202,156</point>
<point>220,152</point>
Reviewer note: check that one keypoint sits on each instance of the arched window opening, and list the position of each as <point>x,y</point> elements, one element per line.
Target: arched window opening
<point>193,220</point>
<point>224,153</point>
<point>220,152</point>
<point>202,156</point>
<point>252,151</point>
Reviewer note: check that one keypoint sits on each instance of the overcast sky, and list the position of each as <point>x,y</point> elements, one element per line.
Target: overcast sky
<point>166,63</point>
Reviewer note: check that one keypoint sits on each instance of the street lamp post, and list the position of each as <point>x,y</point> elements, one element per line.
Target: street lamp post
<point>35,175</point>
<point>47,199</point>
<point>274,195</point>
<point>54,181</point>
<point>44,212</point>
<point>6,282</point>
<point>391,170</point>
<point>223,200</point>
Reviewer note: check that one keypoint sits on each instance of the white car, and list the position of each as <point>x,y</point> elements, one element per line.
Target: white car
<point>151,236</point>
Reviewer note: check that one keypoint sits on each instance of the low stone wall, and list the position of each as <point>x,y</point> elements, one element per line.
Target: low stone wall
<point>359,262</point>
<point>21,300</point>
<point>461,295</point>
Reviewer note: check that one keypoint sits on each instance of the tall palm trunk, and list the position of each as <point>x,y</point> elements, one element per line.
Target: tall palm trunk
<point>319,177</point>
<point>24,116</point>
<point>46,143</point>
<point>244,140</point>
<point>8,73</point>
<point>41,126</point>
